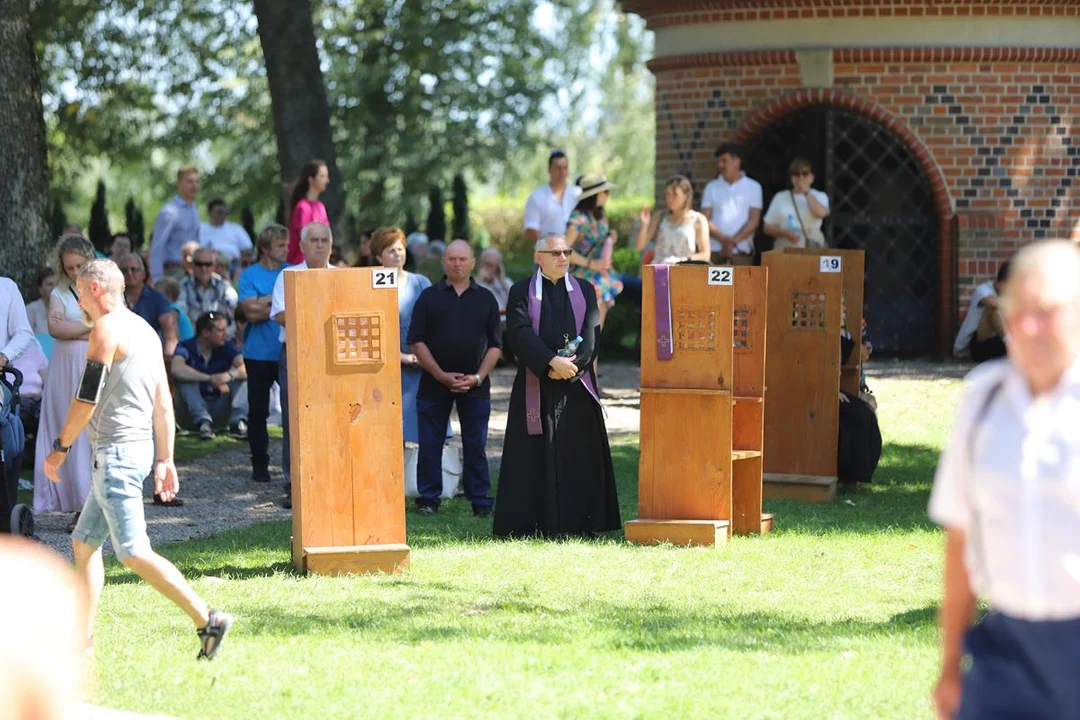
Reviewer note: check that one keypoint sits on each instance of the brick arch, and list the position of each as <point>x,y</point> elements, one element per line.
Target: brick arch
<point>756,122</point>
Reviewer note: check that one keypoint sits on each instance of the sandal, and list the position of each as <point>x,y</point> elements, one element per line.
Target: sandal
<point>213,634</point>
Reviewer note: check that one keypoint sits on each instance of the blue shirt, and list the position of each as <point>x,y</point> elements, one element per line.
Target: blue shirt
<point>260,339</point>
<point>150,306</point>
<point>177,223</point>
<point>221,360</point>
<point>184,329</point>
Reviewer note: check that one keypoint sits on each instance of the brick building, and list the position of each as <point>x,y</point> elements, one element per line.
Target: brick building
<point>946,132</point>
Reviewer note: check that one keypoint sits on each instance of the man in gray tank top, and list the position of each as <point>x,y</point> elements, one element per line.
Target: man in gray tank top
<point>124,398</point>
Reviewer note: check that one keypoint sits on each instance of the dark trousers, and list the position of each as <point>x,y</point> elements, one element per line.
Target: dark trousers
<point>262,374</point>
<point>283,384</point>
<point>433,413</point>
<point>631,289</point>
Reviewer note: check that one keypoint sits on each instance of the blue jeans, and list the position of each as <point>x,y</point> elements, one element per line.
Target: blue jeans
<point>433,413</point>
<point>214,409</point>
<point>115,505</point>
<point>283,386</point>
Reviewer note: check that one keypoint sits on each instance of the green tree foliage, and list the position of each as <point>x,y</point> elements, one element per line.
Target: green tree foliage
<point>411,224</point>
<point>135,224</point>
<point>247,220</point>
<point>57,218</point>
<point>462,228</point>
<point>100,236</point>
<point>436,219</point>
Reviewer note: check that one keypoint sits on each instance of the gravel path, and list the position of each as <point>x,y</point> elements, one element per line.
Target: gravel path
<point>219,495</point>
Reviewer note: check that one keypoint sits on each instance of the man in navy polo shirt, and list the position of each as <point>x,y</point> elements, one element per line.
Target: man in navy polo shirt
<point>209,372</point>
<point>261,344</point>
<point>457,338</point>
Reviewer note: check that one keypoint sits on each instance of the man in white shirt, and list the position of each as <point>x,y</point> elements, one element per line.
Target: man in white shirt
<point>550,205</point>
<point>732,203</point>
<point>15,331</point>
<point>982,334</point>
<point>317,242</point>
<point>228,238</point>
<point>1007,492</point>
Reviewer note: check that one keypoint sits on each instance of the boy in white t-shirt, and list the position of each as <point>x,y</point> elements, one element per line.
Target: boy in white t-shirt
<point>982,334</point>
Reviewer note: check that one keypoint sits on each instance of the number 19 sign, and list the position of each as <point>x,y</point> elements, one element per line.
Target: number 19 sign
<point>384,279</point>
<point>831,264</point>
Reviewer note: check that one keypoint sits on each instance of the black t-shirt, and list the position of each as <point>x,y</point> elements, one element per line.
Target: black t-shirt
<point>458,330</point>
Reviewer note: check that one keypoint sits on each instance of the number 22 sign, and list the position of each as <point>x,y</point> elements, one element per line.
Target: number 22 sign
<point>383,279</point>
<point>721,275</point>
<point>831,264</point>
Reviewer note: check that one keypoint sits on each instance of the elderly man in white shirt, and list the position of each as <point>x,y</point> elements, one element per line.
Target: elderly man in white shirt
<point>550,205</point>
<point>317,242</point>
<point>1007,492</point>
<point>15,330</point>
<point>732,203</point>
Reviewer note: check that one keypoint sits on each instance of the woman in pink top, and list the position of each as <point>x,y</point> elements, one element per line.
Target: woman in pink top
<point>304,205</point>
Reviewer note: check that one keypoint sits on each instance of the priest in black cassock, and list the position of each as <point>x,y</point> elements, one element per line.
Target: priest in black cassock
<point>556,477</point>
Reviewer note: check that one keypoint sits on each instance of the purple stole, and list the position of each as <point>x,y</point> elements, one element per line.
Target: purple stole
<point>532,383</point>
<point>665,343</point>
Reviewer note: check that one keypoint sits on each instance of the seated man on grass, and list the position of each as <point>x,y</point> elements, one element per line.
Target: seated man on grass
<point>982,335</point>
<point>209,373</point>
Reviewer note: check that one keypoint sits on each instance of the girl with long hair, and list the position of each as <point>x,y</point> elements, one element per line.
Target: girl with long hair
<point>304,206</point>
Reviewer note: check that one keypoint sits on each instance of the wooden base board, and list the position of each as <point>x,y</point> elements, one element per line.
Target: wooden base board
<point>357,559</point>
<point>805,488</point>
<point>678,532</point>
<point>766,523</point>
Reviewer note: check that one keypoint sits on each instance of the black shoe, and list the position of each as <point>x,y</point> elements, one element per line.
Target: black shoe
<point>260,475</point>
<point>239,430</point>
<point>175,502</point>
<point>213,634</point>
<point>286,502</point>
<point>205,431</point>
<point>426,510</point>
<point>482,512</point>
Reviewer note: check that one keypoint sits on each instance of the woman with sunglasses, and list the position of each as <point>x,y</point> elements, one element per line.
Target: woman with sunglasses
<point>795,216</point>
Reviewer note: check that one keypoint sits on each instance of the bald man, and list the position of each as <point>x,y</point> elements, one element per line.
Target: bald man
<point>456,335</point>
<point>1007,492</point>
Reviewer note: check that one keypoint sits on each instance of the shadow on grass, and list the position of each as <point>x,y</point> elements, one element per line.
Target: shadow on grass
<point>455,615</point>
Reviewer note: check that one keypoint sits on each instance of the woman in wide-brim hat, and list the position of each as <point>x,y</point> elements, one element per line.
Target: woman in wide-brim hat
<point>586,232</point>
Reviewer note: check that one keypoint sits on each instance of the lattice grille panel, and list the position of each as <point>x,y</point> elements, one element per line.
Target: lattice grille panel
<point>741,331</point>
<point>695,329</point>
<point>807,311</point>
<point>358,339</point>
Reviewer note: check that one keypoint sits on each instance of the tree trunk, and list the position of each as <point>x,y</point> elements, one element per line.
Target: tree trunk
<point>24,182</point>
<point>298,95</point>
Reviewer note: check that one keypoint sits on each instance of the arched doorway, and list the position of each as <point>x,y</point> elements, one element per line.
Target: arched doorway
<point>881,202</point>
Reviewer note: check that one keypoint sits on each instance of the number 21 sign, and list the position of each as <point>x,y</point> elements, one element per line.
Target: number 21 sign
<point>383,279</point>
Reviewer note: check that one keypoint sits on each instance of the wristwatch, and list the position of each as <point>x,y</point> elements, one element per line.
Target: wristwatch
<point>478,379</point>
<point>57,447</point>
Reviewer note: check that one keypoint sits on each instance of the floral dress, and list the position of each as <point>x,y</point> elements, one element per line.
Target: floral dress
<point>590,244</point>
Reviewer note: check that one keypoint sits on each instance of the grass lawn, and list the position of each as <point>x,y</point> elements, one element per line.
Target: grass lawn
<point>830,616</point>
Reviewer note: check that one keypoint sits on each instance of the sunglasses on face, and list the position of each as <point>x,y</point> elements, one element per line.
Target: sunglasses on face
<point>202,264</point>
<point>801,173</point>
<point>557,253</point>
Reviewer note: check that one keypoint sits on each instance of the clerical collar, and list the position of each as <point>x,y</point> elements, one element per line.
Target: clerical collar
<point>538,285</point>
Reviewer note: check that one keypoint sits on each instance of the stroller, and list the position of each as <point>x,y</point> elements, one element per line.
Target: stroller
<point>15,518</point>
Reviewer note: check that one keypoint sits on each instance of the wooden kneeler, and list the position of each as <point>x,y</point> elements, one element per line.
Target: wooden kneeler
<point>803,371</point>
<point>702,405</point>
<point>348,473</point>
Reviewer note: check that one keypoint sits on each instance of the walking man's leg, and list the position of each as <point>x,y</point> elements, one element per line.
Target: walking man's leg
<point>432,415</point>
<point>474,413</point>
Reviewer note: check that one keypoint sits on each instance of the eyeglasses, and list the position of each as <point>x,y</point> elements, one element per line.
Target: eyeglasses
<point>202,264</point>
<point>557,253</point>
<point>130,270</point>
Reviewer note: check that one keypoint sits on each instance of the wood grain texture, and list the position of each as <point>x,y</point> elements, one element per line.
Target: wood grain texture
<point>750,306</point>
<point>853,273</point>
<point>358,559</point>
<point>345,420</point>
<point>805,488</point>
<point>678,532</point>
<point>746,496</point>
<point>802,368</point>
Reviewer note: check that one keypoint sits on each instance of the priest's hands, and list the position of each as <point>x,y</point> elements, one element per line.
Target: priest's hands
<point>562,368</point>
